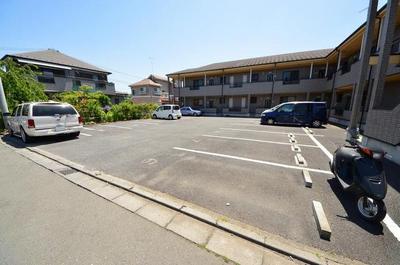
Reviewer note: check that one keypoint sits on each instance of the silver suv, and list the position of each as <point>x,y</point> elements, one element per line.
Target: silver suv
<point>43,119</point>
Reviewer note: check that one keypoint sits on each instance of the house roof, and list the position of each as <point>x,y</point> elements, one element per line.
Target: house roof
<point>145,82</point>
<point>158,77</point>
<point>280,58</point>
<point>56,57</point>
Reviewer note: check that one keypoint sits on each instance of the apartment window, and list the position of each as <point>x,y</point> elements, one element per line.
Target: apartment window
<point>321,73</point>
<point>270,77</point>
<point>46,79</point>
<point>76,83</point>
<point>102,77</point>
<point>211,82</point>
<point>254,77</point>
<point>100,85</point>
<point>291,77</point>
<point>253,100</point>
<point>244,99</point>
<point>231,80</point>
<point>83,75</point>
<point>59,73</point>
<point>197,83</point>
<point>244,78</point>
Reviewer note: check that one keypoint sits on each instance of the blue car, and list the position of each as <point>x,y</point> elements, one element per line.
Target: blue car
<point>297,112</point>
<point>188,111</point>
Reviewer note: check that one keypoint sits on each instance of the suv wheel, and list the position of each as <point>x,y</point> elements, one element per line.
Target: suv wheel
<point>154,116</point>
<point>25,138</point>
<point>170,117</point>
<point>316,124</point>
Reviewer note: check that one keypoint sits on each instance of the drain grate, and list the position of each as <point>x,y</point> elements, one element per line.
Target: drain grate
<point>67,171</point>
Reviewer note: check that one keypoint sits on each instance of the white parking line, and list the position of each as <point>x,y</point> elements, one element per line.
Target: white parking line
<point>85,134</point>
<point>254,160</point>
<point>326,152</point>
<point>92,129</point>
<point>388,221</point>
<point>392,226</point>
<point>262,131</point>
<point>256,140</point>
<point>117,126</point>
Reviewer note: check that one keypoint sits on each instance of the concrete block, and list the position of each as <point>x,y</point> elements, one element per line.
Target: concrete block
<point>169,201</point>
<point>307,178</point>
<point>143,192</point>
<point>109,192</point>
<point>296,148</point>
<point>235,248</point>
<point>293,141</point>
<point>245,232</point>
<point>201,214</point>
<point>158,214</point>
<point>324,228</point>
<point>130,202</point>
<point>271,258</point>
<point>190,228</point>
<point>300,160</point>
<point>77,177</point>
<point>92,184</point>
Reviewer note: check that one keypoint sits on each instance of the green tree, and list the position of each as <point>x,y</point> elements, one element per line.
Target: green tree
<point>20,84</point>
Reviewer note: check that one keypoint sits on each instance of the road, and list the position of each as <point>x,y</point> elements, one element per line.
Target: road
<point>44,219</point>
<point>215,161</point>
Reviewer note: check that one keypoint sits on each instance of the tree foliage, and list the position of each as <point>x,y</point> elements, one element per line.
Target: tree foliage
<point>19,83</point>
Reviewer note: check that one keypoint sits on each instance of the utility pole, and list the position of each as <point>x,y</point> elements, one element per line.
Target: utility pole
<point>3,105</point>
<point>353,130</point>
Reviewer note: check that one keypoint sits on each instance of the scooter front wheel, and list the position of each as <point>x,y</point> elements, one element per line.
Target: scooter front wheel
<point>371,210</point>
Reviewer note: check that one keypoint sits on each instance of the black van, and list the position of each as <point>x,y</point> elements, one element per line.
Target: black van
<point>310,113</point>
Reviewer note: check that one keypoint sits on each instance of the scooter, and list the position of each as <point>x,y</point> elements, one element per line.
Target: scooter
<point>360,170</point>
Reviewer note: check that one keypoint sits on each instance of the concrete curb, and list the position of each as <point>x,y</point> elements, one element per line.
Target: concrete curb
<point>262,238</point>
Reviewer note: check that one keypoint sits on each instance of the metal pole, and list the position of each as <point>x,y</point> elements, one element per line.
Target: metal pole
<point>3,105</point>
<point>364,63</point>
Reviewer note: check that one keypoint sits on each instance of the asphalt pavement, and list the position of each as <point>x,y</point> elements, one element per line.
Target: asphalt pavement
<point>216,162</point>
<point>45,219</point>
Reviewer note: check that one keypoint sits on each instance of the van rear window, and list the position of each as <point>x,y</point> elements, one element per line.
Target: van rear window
<point>51,110</point>
<point>176,107</point>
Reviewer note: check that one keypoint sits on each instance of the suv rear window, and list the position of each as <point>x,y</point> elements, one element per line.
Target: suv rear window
<point>51,110</point>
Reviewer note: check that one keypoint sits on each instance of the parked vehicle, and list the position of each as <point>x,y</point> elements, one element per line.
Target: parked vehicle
<point>297,112</point>
<point>359,170</point>
<point>188,111</point>
<point>43,119</point>
<point>170,112</point>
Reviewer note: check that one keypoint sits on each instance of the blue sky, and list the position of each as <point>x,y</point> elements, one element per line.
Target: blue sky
<point>134,38</point>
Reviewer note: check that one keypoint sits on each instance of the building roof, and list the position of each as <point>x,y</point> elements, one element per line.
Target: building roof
<point>56,57</point>
<point>145,82</point>
<point>280,58</point>
<point>158,77</point>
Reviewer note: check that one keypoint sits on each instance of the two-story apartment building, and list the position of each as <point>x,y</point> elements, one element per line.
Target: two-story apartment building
<point>60,72</point>
<point>247,87</point>
<point>153,89</point>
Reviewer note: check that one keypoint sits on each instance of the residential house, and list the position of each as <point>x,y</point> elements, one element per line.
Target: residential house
<point>153,89</point>
<point>60,72</point>
<point>246,87</point>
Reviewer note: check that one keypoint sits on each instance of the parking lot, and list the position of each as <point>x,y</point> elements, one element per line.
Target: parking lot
<point>244,170</point>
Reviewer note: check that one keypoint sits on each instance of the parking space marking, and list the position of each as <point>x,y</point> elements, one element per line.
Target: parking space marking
<point>117,126</point>
<point>262,131</point>
<point>85,134</point>
<point>255,140</point>
<point>326,152</point>
<point>92,129</point>
<point>388,221</point>
<point>254,160</point>
<point>392,226</point>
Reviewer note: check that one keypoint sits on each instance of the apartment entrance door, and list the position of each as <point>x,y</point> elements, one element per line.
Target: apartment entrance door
<point>253,105</point>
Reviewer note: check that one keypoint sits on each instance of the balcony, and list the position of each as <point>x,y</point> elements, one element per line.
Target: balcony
<point>348,75</point>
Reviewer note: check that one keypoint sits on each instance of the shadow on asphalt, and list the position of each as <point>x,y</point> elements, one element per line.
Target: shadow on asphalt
<point>45,140</point>
<point>348,202</point>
